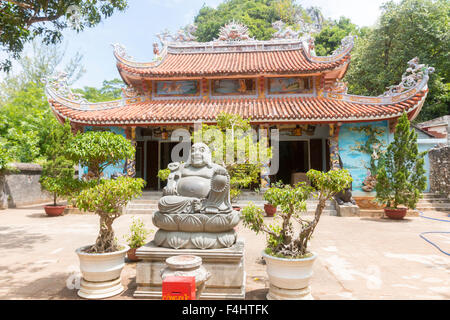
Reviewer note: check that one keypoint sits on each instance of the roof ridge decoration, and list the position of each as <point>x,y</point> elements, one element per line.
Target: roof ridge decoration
<point>412,76</point>
<point>234,31</point>
<point>284,31</point>
<point>414,80</point>
<point>57,89</point>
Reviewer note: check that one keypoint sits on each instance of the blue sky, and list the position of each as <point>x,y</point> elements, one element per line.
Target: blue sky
<point>137,26</point>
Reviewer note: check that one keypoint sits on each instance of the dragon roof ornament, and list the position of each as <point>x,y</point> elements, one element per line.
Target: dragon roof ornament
<point>58,82</point>
<point>284,31</point>
<point>411,78</point>
<point>234,31</point>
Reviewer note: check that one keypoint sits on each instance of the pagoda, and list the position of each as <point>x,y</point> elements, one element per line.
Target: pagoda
<point>279,83</point>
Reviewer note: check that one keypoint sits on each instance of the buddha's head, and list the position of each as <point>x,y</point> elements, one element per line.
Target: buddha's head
<point>200,155</point>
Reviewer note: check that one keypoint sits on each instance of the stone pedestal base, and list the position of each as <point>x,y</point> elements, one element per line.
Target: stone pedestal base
<point>347,211</point>
<point>227,281</point>
<point>276,293</point>
<point>100,290</point>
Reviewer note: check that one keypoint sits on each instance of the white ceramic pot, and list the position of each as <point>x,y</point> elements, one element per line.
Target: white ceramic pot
<point>289,278</point>
<point>101,273</point>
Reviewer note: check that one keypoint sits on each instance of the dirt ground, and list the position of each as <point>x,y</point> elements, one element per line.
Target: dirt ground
<point>358,258</point>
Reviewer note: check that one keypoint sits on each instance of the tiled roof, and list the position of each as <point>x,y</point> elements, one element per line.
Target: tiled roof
<point>232,63</point>
<point>296,109</point>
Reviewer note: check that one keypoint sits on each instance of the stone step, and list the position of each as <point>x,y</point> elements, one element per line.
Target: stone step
<point>369,213</point>
<point>434,205</point>
<point>433,201</point>
<point>432,196</point>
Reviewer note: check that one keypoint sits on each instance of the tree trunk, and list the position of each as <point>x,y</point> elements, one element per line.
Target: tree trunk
<point>106,240</point>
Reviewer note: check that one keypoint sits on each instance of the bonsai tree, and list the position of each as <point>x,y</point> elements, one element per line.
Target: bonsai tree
<point>107,198</point>
<point>58,173</point>
<point>97,151</point>
<point>230,133</point>
<point>401,175</point>
<point>58,178</point>
<point>291,200</point>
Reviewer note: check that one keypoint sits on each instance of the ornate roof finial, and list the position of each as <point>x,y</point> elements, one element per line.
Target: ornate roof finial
<point>284,32</point>
<point>234,31</point>
<point>346,43</point>
<point>58,82</point>
<point>120,51</point>
<point>413,75</point>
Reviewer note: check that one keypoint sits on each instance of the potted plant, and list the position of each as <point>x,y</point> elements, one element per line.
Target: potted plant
<point>288,260</point>
<point>101,263</point>
<point>136,238</point>
<point>401,175</point>
<point>270,196</point>
<point>57,178</point>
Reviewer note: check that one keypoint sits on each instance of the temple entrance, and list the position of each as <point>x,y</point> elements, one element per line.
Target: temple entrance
<point>298,157</point>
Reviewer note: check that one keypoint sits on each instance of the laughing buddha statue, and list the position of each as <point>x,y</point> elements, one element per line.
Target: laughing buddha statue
<point>195,210</point>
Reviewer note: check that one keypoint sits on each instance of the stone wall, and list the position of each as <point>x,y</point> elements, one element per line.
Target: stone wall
<point>21,186</point>
<point>440,170</point>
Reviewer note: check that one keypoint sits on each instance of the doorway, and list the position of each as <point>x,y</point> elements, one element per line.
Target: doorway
<point>294,157</point>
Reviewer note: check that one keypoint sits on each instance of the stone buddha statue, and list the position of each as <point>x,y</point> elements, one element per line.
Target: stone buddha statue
<point>195,210</point>
<point>197,186</point>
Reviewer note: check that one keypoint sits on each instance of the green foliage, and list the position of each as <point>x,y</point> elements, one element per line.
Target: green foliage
<point>163,174</point>
<point>98,150</point>
<point>58,177</point>
<point>22,21</point>
<point>405,30</point>
<point>329,38</point>
<point>138,234</point>
<point>401,175</point>
<point>257,15</point>
<point>245,162</point>
<point>4,159</point>
<point>292,201</point>
<point>109,196</point>
<point>26,121</point>
<point>110,90</point>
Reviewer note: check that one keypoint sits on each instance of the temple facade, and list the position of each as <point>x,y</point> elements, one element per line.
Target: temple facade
<point>277,84</point>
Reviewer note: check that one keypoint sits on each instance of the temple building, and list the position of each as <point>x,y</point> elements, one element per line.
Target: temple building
<point>278,83</point>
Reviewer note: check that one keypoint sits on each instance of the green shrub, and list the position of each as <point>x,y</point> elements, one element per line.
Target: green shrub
<point>401,175</point>
<point>138,234</point>
<point>163,174</point>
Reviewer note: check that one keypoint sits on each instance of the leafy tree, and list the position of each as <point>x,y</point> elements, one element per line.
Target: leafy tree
<point>405,30</point>
<point>329,38</point>
<point>111,90</point>
<point>22,21</point>
<point>99,149</point>
<point>58,177</point>
<point>107,200</point>
<point>243,163</point>
<point>257,15</point>
<point>291,200</point>
<point>26,120</point>
<point>401,175</point>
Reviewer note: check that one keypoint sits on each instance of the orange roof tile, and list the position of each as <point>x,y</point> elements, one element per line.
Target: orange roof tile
<point>286,109</point>
<point>232,63</point>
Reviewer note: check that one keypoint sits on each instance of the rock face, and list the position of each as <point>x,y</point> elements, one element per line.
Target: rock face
<point>440,170</point>
<point>195,211</point>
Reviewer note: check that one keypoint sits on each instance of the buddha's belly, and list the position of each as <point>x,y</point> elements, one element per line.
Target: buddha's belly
<point>194,187</point>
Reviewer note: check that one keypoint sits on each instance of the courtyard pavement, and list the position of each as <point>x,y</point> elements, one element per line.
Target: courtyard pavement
<point>358,258</point>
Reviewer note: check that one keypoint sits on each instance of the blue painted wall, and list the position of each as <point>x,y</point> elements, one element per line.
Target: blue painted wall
<point>354,160</point>
<point>110,169</point>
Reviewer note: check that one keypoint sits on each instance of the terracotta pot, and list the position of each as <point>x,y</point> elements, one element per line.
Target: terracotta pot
<point>54,211</point>
<point>101,273</point>
<point>131,255</point>
<point>289,279</point>
<point>270,209</point>
<point>396,214</point>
